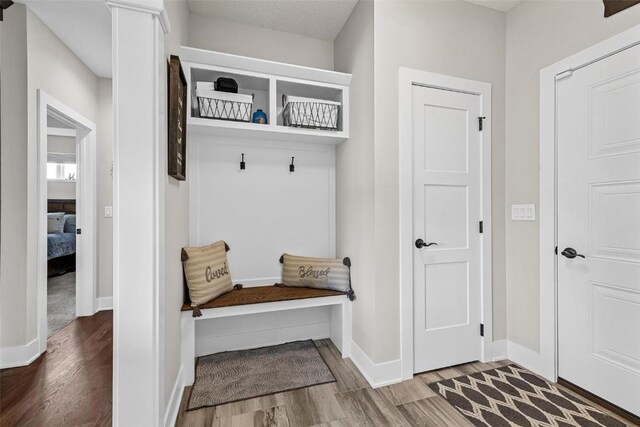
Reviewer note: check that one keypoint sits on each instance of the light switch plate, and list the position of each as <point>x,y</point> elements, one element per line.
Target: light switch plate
<point>108,211</point>
<point>523,212</point>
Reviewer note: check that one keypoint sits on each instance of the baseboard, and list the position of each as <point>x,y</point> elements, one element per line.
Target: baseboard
<point>104,303</point>
<point>21,355</point>
<point>376,374</point>
<point>525,357</point>
<point>500,351</point>
<point>173,406</point>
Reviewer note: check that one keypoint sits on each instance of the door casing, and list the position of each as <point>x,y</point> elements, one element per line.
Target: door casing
<point>86,276</point>
<point>407,79</point>
<point>547,365</point>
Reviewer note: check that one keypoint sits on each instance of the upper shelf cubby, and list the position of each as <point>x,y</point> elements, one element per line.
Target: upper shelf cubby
<point>267,82</point>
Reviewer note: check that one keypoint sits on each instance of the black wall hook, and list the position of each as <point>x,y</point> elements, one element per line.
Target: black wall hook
<point>292,167</point>
<point>242,163</point>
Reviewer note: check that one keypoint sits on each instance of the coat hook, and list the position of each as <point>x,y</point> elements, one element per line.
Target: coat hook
<point>242,163</point>
<point>292,168</point>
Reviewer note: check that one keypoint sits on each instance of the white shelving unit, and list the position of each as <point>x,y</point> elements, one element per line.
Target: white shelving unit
<point>267,81</point>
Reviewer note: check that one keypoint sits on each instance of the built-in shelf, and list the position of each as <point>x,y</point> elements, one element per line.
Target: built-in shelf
<point>267,81</point>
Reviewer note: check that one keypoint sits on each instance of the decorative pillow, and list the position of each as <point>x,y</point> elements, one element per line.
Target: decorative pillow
<point>69,223</point>
<point>317,273</point>
<point>207,272</point>
<point>55,223</point>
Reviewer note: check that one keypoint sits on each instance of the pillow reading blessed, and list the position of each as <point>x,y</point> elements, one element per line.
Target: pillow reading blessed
<point>320,273</point>
<point>207,272</point>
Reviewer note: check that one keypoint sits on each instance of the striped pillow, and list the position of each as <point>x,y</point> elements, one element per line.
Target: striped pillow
<point>207,272</point>
<point>317,273</point>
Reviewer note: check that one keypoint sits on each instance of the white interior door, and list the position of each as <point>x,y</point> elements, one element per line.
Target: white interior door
<point>447,209</point>
<point>598,123</point>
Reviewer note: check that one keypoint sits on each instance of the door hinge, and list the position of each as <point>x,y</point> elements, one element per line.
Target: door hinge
<point>481,122</point>
<point>481,329</point>
<point>556,250</point>
<point>481,227</point>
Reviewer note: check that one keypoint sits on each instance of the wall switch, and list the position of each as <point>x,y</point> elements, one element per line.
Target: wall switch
<point>523,212</point>
<point>108,212</point>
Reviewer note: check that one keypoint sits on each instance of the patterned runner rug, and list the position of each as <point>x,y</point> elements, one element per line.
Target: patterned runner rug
<point>512,395</point>
<point>244,374</point>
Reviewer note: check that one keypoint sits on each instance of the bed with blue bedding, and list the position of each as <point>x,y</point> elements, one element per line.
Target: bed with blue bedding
<point>61,236</point>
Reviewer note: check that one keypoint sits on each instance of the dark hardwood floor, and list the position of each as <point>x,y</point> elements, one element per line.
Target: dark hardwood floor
<point>69,385</point>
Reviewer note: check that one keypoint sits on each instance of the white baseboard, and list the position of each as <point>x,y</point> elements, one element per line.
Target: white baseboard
<point>376,374</point>
<point>104,303</point>
<point>21,355</point>
<point>173,406</point>
<point>500,350</point>
<point>525,357</point>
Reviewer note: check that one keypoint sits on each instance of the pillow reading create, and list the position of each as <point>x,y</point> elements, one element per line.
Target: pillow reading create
<point>318,273</point>
<point>55,223</point>
<point>207,272</point>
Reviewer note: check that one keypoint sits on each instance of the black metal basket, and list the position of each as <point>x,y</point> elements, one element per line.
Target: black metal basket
<point>310,113</point>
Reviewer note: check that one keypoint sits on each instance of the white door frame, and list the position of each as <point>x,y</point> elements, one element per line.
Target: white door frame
<point>407,79</point>
<point>86,201</point>
<point>548,185</point>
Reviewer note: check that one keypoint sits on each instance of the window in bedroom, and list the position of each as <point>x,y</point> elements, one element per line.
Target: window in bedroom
<point>61,167</point>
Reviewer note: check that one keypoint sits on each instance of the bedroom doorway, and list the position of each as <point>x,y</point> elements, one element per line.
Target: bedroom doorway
<point>67,217</point>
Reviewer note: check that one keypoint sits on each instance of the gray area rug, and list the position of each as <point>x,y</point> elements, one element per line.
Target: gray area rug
<point>61,301</point>
<point>243,374</point>
<point>513,396</point>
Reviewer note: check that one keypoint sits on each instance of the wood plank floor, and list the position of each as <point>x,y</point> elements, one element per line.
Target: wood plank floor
<point>69,385</point>
<point>348,402</point>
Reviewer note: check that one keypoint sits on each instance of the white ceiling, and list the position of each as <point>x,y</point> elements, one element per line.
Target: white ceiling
<point>321,19</point>
<point>69,19</point>
<point>502,5</point>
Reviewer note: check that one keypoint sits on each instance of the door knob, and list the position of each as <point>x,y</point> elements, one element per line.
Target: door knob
<point>421,244</point>
<point>571,253</point>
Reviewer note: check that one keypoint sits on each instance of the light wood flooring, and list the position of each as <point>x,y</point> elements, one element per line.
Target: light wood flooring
<point>348,402</point>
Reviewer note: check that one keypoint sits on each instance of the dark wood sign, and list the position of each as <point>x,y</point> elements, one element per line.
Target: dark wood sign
<point>612,7</point>
<point>177,138</point>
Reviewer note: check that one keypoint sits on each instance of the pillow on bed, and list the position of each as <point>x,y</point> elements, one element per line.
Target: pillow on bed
<point>69,223</point>
<point>55,223</point>
<point>207,272</point>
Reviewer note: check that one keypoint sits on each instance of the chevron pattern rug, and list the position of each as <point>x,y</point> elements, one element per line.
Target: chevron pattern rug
<point>513,396</point>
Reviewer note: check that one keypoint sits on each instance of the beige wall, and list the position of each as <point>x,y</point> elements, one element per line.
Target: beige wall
<point>353,53</point>
<point>539,34</point>
<point>104,196</point>
<point>43,62</point>
<point>447,37</point>
<point>13,179</point>
<point>61,189</point>
<point>176,225</point>
<point>245,40</point>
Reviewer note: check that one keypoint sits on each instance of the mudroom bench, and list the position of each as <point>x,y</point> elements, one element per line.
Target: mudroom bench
<point>264,299</point>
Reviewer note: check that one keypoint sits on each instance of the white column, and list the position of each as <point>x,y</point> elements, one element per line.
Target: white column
<point>139,68</point>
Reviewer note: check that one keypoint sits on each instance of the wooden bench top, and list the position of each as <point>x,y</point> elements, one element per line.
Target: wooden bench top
<point>261,294</point>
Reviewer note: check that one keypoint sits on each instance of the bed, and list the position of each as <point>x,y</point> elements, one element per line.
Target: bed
<point>61,247</point>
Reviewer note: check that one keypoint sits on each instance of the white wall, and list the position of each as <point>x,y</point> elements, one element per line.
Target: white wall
<point>245,40</point>
<point>61,189</point>
<point>13,179</point>
<point>539,34</point>
<point>353,52</point>
<point>176,225</point>
<point>447,37</point>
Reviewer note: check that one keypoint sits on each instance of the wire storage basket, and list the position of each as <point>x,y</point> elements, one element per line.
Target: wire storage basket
<point>310,113</point>
<point>223,105</point>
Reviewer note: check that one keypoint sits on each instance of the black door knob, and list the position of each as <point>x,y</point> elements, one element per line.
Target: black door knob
<point>571,253</point>
<point>421,244</point>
